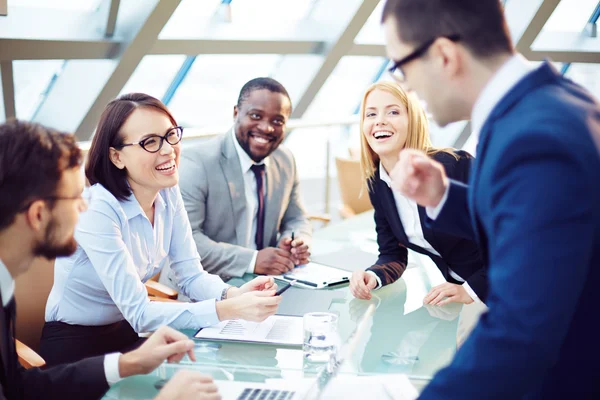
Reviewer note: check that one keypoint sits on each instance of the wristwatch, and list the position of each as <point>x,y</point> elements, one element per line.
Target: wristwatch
<point>224,292</point>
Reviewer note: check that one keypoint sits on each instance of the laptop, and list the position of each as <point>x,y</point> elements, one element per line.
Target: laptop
<point>250,391</point>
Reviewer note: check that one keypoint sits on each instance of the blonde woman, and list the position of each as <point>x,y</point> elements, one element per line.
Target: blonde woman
<point>391,120</point>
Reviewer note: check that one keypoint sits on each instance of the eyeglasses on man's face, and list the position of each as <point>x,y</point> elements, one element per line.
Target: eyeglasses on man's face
<point>85,198</point>
<point>154,143</point>
<point>396,70</point>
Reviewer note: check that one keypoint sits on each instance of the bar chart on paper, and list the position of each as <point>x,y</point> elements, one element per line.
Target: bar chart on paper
<point>277,329</point>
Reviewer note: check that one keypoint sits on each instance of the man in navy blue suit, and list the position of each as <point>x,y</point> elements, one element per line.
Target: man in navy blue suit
<point>532,203</point>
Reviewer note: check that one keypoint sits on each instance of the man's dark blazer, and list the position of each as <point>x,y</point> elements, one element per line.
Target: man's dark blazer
<point>85,379</point>
<point>459,254</point>
<point>533,204</point>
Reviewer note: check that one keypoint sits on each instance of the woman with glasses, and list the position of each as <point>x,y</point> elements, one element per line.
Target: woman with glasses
<point>390,121</point>
<point>135,224</point>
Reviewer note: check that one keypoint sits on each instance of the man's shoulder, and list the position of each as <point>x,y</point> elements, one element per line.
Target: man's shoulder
<point>208,149</point>
<point>283,156</point>
<point>562,112</point>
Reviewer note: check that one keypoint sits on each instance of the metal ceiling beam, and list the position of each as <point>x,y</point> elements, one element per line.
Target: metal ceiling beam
<point>137,48</point>
<point>211,46</point>
<point>111,21</point>
<point>102,49</point>
<point>37,49</point>
<point>565,56</point>
<point>334,54</point>
<point>372,50</point>
<point>8,89</point>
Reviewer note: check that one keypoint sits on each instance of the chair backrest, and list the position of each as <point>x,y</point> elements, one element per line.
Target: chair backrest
<point>351,185</point>
<point>31,293</point>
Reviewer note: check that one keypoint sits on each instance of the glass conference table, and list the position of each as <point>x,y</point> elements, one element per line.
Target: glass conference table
<point>405,337</point>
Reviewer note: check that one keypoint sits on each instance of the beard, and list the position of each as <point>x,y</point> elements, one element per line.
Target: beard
<point>244,142</point>
<point>50,247</point>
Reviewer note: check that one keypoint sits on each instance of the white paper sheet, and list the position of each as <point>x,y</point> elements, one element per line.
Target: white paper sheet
<point>316,276</point>
<point>277,329</point>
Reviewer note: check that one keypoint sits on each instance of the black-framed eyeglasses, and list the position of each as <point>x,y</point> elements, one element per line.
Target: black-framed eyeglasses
<point>85,197</point>
<point>154,143</point>
<point>396,69</point>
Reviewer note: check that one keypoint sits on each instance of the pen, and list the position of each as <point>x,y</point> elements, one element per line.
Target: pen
<point>301,281</point>
<point>284,288</point>
<point>292,238</point>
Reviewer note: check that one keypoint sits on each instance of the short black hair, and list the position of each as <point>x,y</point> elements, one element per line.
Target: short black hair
<point>480,24</point>
<point>32,161</point>
<point>99,167</point>
<point>269,84</point>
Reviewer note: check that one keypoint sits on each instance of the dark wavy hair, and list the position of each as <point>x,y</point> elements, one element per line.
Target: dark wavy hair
<point>32,161</point>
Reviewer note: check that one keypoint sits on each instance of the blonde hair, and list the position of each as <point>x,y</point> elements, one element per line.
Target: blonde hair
<point>417,136</point>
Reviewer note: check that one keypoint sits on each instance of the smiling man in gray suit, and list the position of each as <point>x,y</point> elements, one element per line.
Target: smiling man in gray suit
<point>241,190</point>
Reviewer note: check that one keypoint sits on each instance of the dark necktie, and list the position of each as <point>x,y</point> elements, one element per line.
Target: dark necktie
<point>259,173</point>
<point>8,341</point>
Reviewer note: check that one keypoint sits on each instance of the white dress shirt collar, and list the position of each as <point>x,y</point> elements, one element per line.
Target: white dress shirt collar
<point>507,77</point>
<point>245,161</point>
<point>132,207</point>
<point>384,176</point>
<point>7,284</point>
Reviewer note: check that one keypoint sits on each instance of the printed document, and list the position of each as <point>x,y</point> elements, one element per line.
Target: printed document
<point>277,329</point>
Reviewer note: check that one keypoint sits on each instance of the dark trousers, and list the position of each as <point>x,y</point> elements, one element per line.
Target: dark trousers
<point>64,343</point>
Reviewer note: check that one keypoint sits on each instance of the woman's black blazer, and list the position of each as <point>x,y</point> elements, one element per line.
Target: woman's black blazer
<point>460,255</point>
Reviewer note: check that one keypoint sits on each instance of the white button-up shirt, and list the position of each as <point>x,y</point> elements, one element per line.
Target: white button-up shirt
<point>409,215</point>
<point>118,250</point>
<point>251,197</point>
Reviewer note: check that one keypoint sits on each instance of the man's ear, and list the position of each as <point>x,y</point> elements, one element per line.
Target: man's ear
<point>115,157</point>
<point>235,112</point>
<point>448,54</point>
<point>37,215</point>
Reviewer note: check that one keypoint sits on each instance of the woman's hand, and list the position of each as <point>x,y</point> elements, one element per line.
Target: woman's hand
<point>447,293</point>
<point>250,306</point>
<point>361,284</point>
<point>258,284</point>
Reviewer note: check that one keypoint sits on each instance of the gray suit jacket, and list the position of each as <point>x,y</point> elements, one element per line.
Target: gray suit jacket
<point>213,191</point>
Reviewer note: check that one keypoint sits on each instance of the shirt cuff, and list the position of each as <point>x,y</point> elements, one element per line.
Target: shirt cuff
<point>376,277</point>
<point>250,269</point>
<point>433,212</point>
<point>471,292</point>
<point>206,312</point>
<point>111,368</point>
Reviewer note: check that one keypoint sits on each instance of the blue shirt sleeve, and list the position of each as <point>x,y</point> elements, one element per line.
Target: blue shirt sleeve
<point>100,233</point>
<point>192,279</point>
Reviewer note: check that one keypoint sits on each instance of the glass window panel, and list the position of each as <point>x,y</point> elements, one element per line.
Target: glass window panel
<point>338,98</point>
<point>153,75</point>
<point>343,89</point>
<point>250,12</point>
<point>210,90</point>
<point>571,15</point>
<point>295,72</point>
<point>190,18</point>
<point>371,32</point>
<point>300,19</point>
<point>587,75</point>
<point>32,81</point>
<point>58,4</point>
